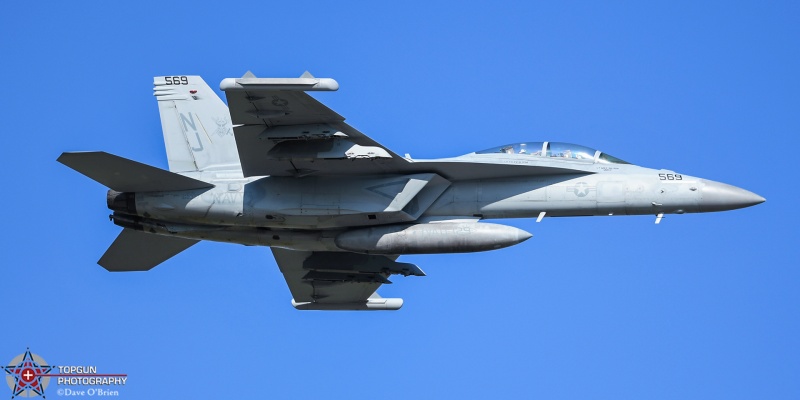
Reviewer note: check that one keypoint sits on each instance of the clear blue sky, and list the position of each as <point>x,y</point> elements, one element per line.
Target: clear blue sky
<point>702,306</point>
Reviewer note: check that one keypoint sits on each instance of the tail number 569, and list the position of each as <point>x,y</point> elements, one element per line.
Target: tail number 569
<point>176,80</point>
<point>670,177</point>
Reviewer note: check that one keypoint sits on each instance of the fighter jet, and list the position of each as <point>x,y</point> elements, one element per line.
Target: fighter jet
<point>277,168</point>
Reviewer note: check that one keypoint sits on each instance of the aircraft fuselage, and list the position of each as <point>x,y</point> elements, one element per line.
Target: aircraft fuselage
<point>311,212</point>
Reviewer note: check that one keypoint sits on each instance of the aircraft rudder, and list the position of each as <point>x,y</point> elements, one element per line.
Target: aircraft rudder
<point>198,134</point>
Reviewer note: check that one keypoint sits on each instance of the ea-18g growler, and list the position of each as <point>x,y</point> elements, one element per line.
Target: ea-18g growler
<point>277,168</point>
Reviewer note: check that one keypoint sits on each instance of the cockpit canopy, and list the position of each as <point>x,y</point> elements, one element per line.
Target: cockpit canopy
<point>556,150</point>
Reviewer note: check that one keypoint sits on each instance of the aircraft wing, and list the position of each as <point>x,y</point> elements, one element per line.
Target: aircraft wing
<point>282,131</point>
<point>321,280</point>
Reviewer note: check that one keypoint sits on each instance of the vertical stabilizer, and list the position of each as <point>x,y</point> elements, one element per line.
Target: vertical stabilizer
<point>197,125</point>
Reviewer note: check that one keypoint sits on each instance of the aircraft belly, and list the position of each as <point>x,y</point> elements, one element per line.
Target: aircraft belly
<point>561,195</point>
<point>611,196</point>
<point>650,195</point>
<point>248,236</point>
<point>305,203</point>
<point>459,199</point>
<point>330,203</point>
<point>639,198</point>
<point>217,205</point>
<point>677,197</point>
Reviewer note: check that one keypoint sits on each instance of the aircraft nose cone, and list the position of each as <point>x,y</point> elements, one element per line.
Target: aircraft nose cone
<point>718,196</point>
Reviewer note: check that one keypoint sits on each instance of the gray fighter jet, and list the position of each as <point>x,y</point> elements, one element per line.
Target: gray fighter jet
<point>277,168</point>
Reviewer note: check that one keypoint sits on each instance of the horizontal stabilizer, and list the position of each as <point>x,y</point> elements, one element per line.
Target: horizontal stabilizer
<point>125,175</point>
<point>140,251</point>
